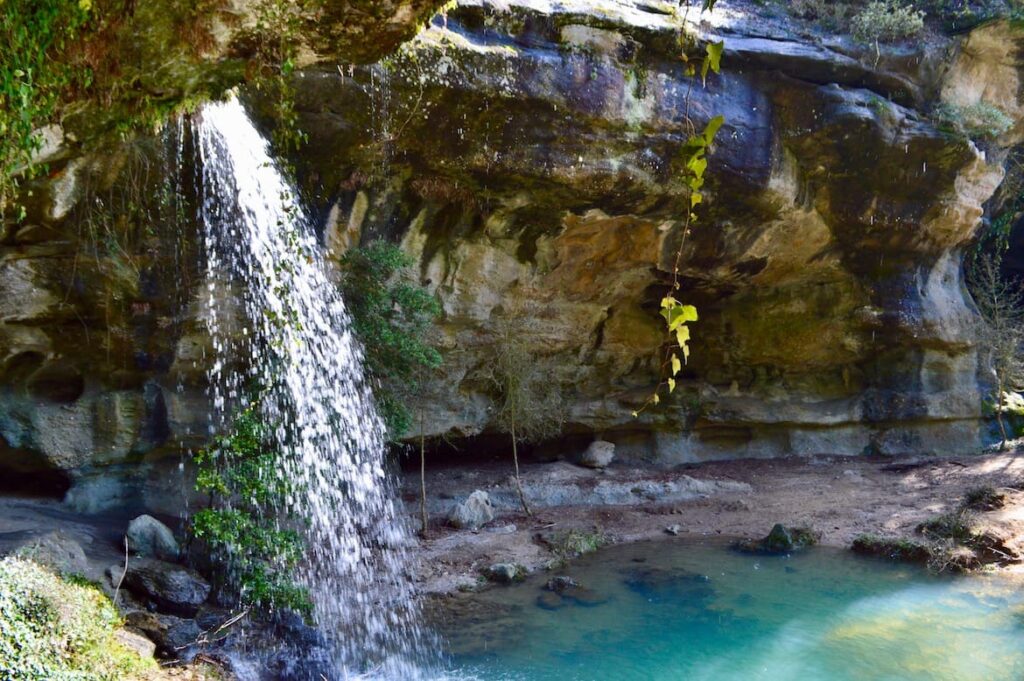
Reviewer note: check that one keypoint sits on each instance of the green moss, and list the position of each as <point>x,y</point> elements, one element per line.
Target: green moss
<point>891,549</point>
<point>575,543</point>
<point>52,628</point>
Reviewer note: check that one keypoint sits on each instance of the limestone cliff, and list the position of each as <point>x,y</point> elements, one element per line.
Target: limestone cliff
<point>525,153</point>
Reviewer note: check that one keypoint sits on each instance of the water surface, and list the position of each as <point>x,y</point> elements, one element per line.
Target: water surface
<point>696,610</point>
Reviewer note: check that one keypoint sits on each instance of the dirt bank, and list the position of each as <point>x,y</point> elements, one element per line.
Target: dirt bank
<point>839,497</point>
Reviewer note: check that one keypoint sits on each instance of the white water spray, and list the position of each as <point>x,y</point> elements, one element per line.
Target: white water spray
<point>265,267</point>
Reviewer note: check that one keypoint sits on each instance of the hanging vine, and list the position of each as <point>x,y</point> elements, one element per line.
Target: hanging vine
<point>693,160</point>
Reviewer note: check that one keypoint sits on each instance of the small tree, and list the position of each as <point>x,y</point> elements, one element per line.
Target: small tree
<point>242,531</point>
<point>999,329</point>
<point>391,316</point>
<point>529,401</point>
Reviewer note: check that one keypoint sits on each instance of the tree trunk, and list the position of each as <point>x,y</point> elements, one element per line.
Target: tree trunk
<point>999,413</point>
<point>423,480</point>
<point>519,484</point>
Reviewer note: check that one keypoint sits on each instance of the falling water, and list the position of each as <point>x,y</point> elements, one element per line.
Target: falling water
<point>290,325</point>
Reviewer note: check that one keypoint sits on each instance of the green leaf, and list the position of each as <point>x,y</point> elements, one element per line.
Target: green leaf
<point>714,58</point>
<point>711,129</point>
<point>695,198</point>
<point>708,6</point>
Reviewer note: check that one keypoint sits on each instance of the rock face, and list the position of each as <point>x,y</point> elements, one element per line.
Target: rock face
<point>526,154</point>
<point>473,513</point>
<point>825,263</point>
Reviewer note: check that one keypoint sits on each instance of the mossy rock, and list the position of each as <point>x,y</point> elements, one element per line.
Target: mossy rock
<point>780,540</point>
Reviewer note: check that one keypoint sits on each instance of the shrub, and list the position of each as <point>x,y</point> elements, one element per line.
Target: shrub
<point>984,499</point>
<point>885,21</point>
<point>391,314</point>
<point>58,629</point>
<point>239,471</point>
<point>977,121</point>
<point>955,525</point>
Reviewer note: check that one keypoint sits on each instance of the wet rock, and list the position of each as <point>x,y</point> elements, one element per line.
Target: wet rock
<point>472,513</point>
<point>674,530</point>
<point>172,635</point>
<point>58,551</point>
<point>599,454</point>
<point>171,588</point>
<point>779,541</point>
<point>504,573</point>
<point>150,538</point>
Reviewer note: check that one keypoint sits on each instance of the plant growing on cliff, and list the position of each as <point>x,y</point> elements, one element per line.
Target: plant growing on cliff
<point>980,120</point>
<point>239,471</point>
<point>999,328</point>
<point>391,315</point>
<point>34,33</point>
<point>884,21</point>
<point>529,404</point>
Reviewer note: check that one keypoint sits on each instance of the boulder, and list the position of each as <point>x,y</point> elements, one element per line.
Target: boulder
<point>599,454</point>
<point>150,538</point>
<point>472,513</point>
<point>58,551</point>
<point>171,588</point>
<point>504,573</point>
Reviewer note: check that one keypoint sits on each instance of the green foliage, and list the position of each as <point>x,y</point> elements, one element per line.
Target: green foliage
<point>828,14</point>
<point>32,77</point>
<point>884,21</point>
<point>56,629</point>
<point>391,315</point>
<point>955,525</point>
<point>977,121</point>
<point>239,471</point>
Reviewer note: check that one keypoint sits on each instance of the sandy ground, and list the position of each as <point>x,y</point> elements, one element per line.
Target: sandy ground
<point>838,497</point>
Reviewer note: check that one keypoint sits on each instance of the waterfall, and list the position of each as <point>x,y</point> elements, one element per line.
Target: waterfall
<point>272,301</point>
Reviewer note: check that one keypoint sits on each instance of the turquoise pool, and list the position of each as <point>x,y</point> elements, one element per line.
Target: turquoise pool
<point>698,611</point>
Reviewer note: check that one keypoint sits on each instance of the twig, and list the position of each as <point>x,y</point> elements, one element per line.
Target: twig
<point>117,589</point>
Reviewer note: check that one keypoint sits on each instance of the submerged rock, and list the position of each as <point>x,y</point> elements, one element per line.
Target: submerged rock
<point>150,538</point>
<point>472,513</point>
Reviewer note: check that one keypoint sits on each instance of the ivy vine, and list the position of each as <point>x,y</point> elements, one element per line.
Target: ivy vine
<point>32,78</point>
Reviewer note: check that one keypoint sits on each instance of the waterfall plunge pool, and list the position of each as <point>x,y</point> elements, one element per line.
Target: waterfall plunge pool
<point>695,610</point>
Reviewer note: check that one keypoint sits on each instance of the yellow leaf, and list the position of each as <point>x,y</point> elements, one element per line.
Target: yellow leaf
<point>695,198</point>
<point>676,364</point>
<point>85,5</point>
<point>671,385</point>
<point>635,414</point>
<point>656,399</point>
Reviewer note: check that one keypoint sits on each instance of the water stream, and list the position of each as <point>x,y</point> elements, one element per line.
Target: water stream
<point>272,301</point>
